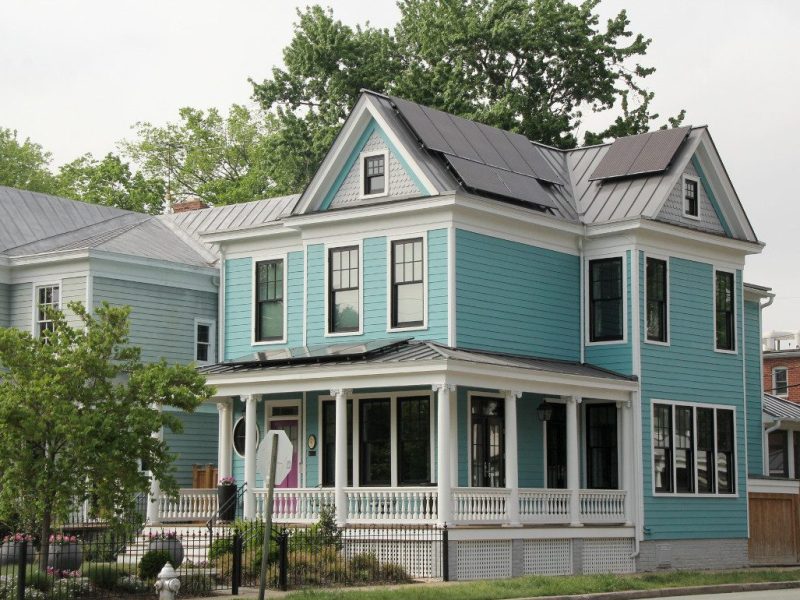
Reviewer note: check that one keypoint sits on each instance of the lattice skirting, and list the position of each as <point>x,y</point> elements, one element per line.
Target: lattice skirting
<point>419,558</point>
<point>483,559</point>
<point>547,557</point>
<point>608,555</point>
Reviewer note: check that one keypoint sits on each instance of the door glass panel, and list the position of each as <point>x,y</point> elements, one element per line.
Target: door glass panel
<point>375,467</point>
<point>488,442</point>
<point>602,468</point>
<point>557,448</point>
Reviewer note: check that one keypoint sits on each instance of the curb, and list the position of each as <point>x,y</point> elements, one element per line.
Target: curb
<point>722,588</point>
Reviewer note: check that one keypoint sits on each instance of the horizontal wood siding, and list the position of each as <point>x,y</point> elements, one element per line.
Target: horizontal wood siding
<point>374,312</point>
<point>21,313</point>
<point>239,298</point>
<point>73,290</point>
<point>752,335</point>
<point>688,371</point>
<point>530,441</point>
<point>5,305</point>
<point>616,356</point>
<point>517,298</point>
<point>162,317</point>
<point>195,445</point>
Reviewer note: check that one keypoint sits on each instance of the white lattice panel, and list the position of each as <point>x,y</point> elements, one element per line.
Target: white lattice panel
<point>547,557</point>
<point>483,559</point>
<point>608,555</point>
<point>420,558</point>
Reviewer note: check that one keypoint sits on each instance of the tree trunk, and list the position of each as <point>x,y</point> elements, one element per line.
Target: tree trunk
<point>44,546</point>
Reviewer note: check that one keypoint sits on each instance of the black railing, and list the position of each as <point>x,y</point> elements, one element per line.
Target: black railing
<point>229,510</point>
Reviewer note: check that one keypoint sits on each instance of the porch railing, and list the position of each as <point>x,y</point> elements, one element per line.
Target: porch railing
<point>602,506</point>
<point>544,506</point>
<point>484,505</point>
<point>190,505</point>
<point>294,506</point>
<point>399,505</point>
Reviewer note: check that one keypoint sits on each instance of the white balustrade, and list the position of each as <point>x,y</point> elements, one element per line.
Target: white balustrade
<point>294,505</point>
<point>602,506</point>
<point>480,505</point>
<point>191,505</point>
<point>396,505</point>
<point>544,505</point>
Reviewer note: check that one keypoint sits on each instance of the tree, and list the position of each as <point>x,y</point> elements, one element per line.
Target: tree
<point>24,164</point>
<point>110,182</point>
<point>77,412</point>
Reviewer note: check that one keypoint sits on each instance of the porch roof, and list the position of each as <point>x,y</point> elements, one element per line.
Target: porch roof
<point>779,409</point>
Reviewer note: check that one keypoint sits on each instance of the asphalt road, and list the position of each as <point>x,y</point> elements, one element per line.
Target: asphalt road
<point>763,595</point>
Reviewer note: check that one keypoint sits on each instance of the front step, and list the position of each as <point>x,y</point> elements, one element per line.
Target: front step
<point>195,540</point>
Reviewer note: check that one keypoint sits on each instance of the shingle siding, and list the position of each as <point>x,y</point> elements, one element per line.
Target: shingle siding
<point>672,211</point>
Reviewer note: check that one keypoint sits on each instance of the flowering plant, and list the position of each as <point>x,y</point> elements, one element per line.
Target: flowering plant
<point>59,539</point>
<point>229,480</point>
<point>17,537</point>
<point>63,573</point>
<point>163,535</point>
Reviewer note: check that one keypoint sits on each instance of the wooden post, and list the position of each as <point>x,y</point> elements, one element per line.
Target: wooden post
<point>273,463</point>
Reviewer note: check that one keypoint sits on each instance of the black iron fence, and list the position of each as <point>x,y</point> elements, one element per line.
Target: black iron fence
<point>97,563</point>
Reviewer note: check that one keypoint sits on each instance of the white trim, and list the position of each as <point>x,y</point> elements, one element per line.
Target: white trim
<point>257,258</point>
<point>326,249</point>
<point>451,287</point>
<point>774,390</point>
<point>694,406</point>
<point>625,292</point>
<point>362,160</point>
<point>233,436</point>
<point>301,443</point>
<point>212,346</point>
<point>470,395</point>
<point>665,259</point>
<point>221,291</point>
<point>736,303</point>
<point>773,486</point>
<point>686,177</point>
<point>423,236</point>
<point>54,283</point>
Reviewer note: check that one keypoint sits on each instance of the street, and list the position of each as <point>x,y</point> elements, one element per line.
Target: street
<point>761,595</point>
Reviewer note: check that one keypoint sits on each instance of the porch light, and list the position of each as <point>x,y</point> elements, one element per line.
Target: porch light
<point>545,411</point>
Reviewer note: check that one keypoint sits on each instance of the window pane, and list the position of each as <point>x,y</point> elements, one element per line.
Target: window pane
<point>662,447</point>
<point>726,472</point>
<point>557,447</point>
<point>343,296</point>
<point>684,460</point>
<point>601,446</point>
<point>414,439</point>
<point>410,308</point>
<point>705,450</point>
<point>345,311</point>
<point>780,381</point>
<point>656,300</point>
<point>375,442</point>
<point>202,353</point>
<point>605,297</point>
<point>778,451</point>
<point>202,333</point>
<point>271,323</point>
<point>724,311</point>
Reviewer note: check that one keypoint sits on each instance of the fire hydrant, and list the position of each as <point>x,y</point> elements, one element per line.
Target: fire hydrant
<point>167,584</point>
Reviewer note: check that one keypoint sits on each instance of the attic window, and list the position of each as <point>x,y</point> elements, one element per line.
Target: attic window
<point>374,175</point>
<point>691,204</point>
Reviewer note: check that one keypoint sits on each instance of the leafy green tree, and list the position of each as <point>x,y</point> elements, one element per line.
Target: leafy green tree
<point>24,164</point>
<point>110,182</point>
<point>77,412</point>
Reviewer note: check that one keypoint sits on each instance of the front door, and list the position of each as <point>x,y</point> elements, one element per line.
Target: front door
<point>602,466</point>
<point>291,428</point>
<point>557,448</point>
<point>488,442</point>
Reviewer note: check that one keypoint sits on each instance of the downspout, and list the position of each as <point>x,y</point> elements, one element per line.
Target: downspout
<point>582,299</point>
<point>221,307</point>
<point>764,435</point>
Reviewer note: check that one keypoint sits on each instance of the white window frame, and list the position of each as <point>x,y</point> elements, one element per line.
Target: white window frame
<point>694,406</point>
<point>362,163</point>
<point>685,203</point>
<point>390,277</point>
<point>262,258</point>
<point>212,346</point>
<point>470,395</point>
<point>233,437</point>
<point>327,249</point>
<point>588,305</point>
<point>775,382</point>
<point>35,302</point>
<point>735,349</point>
<point>664,258</point>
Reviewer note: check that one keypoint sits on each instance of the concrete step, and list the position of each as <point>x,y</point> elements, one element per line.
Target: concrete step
<point>194,539</point>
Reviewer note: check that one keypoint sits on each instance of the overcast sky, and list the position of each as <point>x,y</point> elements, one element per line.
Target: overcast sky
<point>75,75</point>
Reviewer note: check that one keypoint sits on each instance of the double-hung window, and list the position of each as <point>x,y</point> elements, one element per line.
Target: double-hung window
<point>408,303</point>
<point>47,296</point>
<point>376,442</point>
<point>605,300</point>
<point>269,301</point>
<point>780,381</point>
<point>691,202</point>
<point>375,175</point>
<point>204,342</point>
<point>657,306</point>
<point>724,308</point>
<point>343,295</point>
<point>693,450</point>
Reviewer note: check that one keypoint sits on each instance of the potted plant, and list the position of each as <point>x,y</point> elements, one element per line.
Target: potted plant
<point>226,498</point>
<point>66,554</point>
<point>9,549</point>
<point>169,542</point>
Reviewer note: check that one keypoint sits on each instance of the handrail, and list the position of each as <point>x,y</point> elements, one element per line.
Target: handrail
<point>239,495</point>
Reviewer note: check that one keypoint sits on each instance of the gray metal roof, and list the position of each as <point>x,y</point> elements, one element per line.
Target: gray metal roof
<point>234,216</point>
<point>405,351</point>
<point>778,408</point>
<point>650,152</point>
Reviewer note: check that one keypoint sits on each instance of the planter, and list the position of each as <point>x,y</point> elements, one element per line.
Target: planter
<point>226,499</point>
<point>9,553</point>
<point>65,557</point>
<point>173,547</point>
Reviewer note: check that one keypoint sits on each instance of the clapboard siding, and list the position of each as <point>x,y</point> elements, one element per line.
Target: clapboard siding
<point>752,335</point>
<point>5,305</point>
<point>195,445</point>
<point>21,297</point>
<point>375,282</point>
<point>162,317</point>
<point>73,289</point>
<point>517,298</point>
<point>690,371</point>
<point>530,441</point>
<point>239,298</point>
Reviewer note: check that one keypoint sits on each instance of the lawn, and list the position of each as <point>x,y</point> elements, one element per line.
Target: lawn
<point>536,586</point>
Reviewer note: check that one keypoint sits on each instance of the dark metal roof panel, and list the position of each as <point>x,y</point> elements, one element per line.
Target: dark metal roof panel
<point>650,152</point>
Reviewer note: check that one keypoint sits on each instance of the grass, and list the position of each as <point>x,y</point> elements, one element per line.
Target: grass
<point>537,586</point>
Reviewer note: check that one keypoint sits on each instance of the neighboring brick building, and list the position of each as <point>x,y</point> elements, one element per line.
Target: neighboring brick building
<point>782,373</point>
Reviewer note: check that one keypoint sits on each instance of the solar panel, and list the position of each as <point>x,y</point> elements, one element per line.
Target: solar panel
<point>640,154</point>
<point>306,353</point>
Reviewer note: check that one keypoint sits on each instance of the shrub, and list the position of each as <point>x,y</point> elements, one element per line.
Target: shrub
<point>132,584</point>
<point>394,573</point>
<point>219,547</point>
<point>152,562</point>
<point>67,589</point>
<point>195,585</point>
<point>34,578</point>
<point>104,575</point>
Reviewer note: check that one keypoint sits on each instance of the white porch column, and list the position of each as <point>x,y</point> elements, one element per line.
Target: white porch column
<point>628,450</point>
<point>573,463</point>
<point>444,486</point>
<point>225,443</point>
<point>154,497</point>
<point>512,457</point>
<point>340,470</point>
<point>250,449</point>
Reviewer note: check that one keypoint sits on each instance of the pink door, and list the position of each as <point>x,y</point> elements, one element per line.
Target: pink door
<point>291,428</point>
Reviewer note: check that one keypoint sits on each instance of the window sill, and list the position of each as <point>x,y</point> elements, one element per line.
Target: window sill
<point>692,217</point>
<point>657,343</point>
<point>402,329</point>
<point>343,333</point>
<point>268,342</point>
<point>721,351</point>
<point>684,495</point>
<point>371,196</point>
<point>607,342</point>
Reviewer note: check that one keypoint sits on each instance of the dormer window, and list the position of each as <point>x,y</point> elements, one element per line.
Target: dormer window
<point>374,180</point>
<point>691,202</point>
